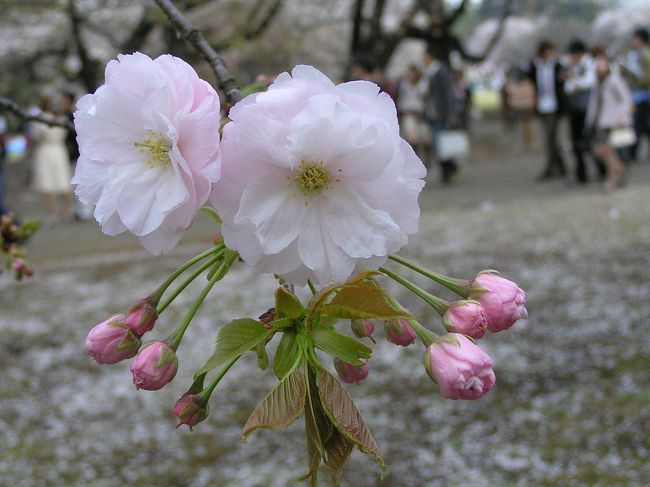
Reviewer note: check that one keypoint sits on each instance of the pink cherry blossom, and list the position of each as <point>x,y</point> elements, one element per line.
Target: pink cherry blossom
<point>363,328</point>
<point>154,366</point>
<point>466,317</point>
<point>399,332</point>
<point>503,301</point>
<point>190,409</point>
<point>350,373</point>
<point>316,181</point>
<point>142,316</point>
<point>460,368</point>
<point>112,341</point>
<point>149,145</point>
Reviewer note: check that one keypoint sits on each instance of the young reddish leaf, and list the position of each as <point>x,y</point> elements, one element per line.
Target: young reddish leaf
<point>287,304</point>
<point>347,419</point>
<point>325,293</point>
<point>338,450</point>
<point>280,407</point>
<point>362,300</point>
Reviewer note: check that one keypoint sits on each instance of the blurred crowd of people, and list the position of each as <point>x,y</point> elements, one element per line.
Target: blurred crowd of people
<point>606,102</point>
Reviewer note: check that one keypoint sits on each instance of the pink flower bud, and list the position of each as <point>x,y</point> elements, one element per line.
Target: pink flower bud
<point>466,317</point>
<point>349,373</point>
<point>112,341</point>
<point>399,332</point>
<point>142,316</point>
<point>190,409</point>
<point>363,328</point>
<point>154,366</point>
<point>502,300</point>
<point>18,265</point>
<point>460,368</point>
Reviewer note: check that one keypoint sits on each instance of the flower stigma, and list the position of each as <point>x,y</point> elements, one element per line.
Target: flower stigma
<point>156,147</point>
<point>310,179</point>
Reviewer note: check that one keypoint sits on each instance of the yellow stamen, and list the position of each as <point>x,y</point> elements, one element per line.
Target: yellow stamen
<point>156,147</point>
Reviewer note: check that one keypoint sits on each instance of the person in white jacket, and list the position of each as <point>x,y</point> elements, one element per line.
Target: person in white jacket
<point>610,108</point>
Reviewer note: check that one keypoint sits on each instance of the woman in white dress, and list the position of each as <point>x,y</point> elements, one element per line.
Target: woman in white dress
<point>52,165</point>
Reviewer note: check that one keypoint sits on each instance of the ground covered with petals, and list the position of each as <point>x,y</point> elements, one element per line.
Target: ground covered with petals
<point>570,406</point>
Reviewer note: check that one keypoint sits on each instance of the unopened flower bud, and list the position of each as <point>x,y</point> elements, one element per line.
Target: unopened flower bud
<point>18,265</point>
<point>112,341</point>
<point>466,317</point>
<point>399,332</point>
<point>363,328</point>
<point>190,409</point>
<point>503,301</point>
<point>154,366</point>
<point>349,373</point>
<point>460,368</point>
<point>142,316</point>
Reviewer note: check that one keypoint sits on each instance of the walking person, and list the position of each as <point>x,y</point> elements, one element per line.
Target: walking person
<point>636,68</point>
<point>52,165</point>
<point>580,77</point>
<point>545,73</point>
<point>610,109</point>
<point>439,106</point>
<point>411,92</point>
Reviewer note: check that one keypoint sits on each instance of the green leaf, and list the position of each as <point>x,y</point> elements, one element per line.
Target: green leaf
<point>212,213</point>
<point>338,449</point>
<point>362,300</point>
<point>341,346</point>
<point>280,407</point>
<point>286,354</point>
<point>234,339</point>
<point>347,419</point>
<point>287,304</point>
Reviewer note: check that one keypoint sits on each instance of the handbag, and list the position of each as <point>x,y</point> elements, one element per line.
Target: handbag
<point>451,144</point>
<point>621,137</point>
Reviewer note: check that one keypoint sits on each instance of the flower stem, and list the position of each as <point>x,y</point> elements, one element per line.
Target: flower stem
<point>312,288</point>
<point>440,305</point>
<point>425,335</point>
<point>459,286</point>
<point>207,392</point>
<point>181,288</point>
<point>177,335</point>
<point>220,248</point>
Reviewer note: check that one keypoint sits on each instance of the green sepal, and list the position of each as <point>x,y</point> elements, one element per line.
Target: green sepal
<point>130,341</point>
<point>167,355</point>
<point>341,346</point>
<point>287,305</point>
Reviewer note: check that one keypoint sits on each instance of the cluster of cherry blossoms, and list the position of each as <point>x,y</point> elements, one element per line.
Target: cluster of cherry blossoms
<point>311,183</point>
<point>13,254</point>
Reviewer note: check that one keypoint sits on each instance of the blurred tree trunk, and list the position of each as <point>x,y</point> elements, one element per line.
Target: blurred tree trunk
<point>370,38</point>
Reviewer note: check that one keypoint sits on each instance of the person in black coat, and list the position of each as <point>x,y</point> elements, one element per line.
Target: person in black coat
<point>439,106</point>
<point>546,74</point>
